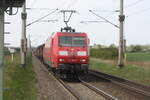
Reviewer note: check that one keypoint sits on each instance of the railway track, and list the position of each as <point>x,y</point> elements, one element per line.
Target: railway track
<point>74,86</point>
<point>106,95</point>
<point>82,90</point>
<point>130,85</point>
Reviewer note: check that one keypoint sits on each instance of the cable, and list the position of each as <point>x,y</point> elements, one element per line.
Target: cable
<point>53,21</point>
<point>139,12</point>
<point>104,19</point>
<point>72,3</point>
<point>40,8</point>
<point>32,4</point>
<point>133,4</point>
<point>106,11</point>
<point>41,18</point>
<point>63,4</point>
<point>85,22</point>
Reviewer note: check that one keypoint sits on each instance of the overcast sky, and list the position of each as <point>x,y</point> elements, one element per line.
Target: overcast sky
<point>137,23</point>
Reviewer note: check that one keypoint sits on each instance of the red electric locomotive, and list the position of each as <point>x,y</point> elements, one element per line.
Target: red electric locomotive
<point>67,53</point>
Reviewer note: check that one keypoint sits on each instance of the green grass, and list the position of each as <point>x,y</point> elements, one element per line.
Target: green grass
<point>20,83</point>
<point>129,72</point>
<point>145,56</point>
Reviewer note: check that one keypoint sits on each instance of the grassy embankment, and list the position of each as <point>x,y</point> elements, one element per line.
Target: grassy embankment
<point>145,56</point>
<point>20,83</point>
<point>130,71</point>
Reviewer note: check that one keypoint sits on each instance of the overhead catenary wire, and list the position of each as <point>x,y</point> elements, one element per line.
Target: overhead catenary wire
<point>139,12</point>
<point>104,19</point>
<point>55,20</point>
<point>72,3</point>
<point>133,4</point>
<point>32,4</point>
<point>85,22</point>
<point>40,8</point>
<point>62,4</point>
<point>41,18</point>
<point>109,11</point>
<point>59,7</point>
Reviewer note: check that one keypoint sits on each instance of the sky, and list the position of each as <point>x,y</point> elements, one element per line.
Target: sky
<point>137,22</point>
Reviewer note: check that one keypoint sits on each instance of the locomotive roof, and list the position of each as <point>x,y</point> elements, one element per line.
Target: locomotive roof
<point>70,33</point>
<point>73,33</point>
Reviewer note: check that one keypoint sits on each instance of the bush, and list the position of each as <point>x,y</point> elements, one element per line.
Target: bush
<point>137,48</point>
<point>104,53</point>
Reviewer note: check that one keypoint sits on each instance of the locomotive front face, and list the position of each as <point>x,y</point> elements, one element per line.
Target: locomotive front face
<point>73,49</point>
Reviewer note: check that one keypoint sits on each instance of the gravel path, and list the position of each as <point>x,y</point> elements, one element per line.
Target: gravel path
<point>49,88</point>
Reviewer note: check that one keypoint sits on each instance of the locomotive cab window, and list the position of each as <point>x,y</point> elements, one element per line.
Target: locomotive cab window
<point>79,41</point>
<point>74,41</point>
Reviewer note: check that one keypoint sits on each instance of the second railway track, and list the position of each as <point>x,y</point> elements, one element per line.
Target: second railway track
<point>133,86</point>
<point>117,87</point>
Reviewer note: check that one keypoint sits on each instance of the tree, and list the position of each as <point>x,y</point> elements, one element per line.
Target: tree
<point>112,46</point>
<point>136,48</point>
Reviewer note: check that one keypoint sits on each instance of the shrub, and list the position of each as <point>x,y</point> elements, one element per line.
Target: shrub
<point>104,53</point>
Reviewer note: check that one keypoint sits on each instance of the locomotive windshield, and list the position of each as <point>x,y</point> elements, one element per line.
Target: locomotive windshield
<point>74,41</point>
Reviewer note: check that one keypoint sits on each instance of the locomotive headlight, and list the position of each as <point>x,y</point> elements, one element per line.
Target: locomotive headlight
<point>63,53</point>
<point>81,53</point>
<point>61,59</point>
<point>83,60</point>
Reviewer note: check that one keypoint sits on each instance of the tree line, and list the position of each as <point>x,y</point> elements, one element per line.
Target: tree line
<point>111,51</point>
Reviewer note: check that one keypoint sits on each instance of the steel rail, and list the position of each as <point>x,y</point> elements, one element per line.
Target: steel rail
<point>130,85</point>
<point>104,94</point>
<point>71,90</point>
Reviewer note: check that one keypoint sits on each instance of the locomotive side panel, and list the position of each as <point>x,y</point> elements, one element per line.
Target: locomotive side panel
<point>46,53</point>
<point>50,51</point>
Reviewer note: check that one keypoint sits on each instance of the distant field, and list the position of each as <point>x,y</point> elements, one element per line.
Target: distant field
<point>130,72</point>
<point>20,83</point>
<point>138,56</point>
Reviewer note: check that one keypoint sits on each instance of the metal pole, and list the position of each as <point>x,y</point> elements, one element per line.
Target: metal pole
<point>29,45</point>
<point>1,51</point>
<point>23,37</point>
<point>120,51</point>
<point>12,57</point>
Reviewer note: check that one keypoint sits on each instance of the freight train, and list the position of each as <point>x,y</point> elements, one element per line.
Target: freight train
<point>66,53</point>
